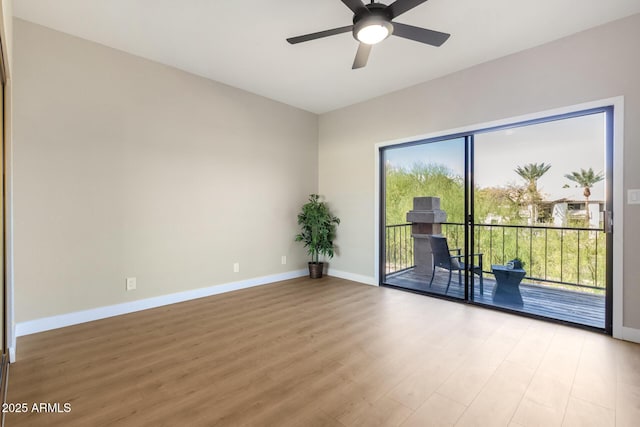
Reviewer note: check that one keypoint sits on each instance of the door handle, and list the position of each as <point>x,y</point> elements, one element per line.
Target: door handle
<point>608,222</point>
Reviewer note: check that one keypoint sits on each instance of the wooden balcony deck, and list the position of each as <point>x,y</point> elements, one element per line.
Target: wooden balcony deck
<point>561,304</point>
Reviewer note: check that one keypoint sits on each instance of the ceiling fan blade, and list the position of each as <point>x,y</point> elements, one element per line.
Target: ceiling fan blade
<point>355,5</point>
<point>320,34</point>
<point>422,35</point>
<point>362,56</point>
<point>399,7</point>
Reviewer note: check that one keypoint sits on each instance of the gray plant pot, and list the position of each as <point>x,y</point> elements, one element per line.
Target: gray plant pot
<point>315,270</point>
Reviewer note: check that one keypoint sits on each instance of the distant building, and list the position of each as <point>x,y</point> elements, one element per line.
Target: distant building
<point>563,210</point>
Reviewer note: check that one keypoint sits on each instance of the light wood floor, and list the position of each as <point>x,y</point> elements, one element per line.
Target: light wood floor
<point>326,353</point>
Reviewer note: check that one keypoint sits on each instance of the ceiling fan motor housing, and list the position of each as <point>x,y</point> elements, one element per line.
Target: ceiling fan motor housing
<point>374,14</point>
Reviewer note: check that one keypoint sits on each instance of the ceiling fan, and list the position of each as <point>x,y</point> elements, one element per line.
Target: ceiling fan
<point>372,24</point>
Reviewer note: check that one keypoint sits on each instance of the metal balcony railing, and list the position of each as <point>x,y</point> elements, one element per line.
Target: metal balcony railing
<point>563,256</point>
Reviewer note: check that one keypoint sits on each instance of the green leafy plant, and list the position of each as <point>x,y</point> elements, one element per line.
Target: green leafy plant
<point>318,228</point>
<point>517,263</point>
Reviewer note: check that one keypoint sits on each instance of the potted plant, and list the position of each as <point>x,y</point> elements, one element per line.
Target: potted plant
<point>515,264</point>
<point>318,229</point>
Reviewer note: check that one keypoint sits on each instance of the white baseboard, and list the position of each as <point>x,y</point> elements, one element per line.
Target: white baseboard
<point>367,280</point>
<point>68,319</point>
<point>630,334</point>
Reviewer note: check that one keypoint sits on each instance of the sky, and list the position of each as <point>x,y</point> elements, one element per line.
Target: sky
<point>568,145</point>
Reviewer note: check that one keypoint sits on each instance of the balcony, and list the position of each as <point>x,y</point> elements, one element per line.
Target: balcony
<point>565,268</point>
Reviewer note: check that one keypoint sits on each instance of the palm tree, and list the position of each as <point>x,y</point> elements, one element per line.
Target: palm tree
<point>531,173</point>
<point>585,179</point>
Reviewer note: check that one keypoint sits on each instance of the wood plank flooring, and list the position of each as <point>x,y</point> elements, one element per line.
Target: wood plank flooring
<point>325,352</point>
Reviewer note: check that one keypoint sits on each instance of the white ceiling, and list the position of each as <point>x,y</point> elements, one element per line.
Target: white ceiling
<point>242,43</point>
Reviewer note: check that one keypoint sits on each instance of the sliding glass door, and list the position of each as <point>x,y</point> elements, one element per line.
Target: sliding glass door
<point>425,186</point>
<point>541,204</point>
<point>514,217</point>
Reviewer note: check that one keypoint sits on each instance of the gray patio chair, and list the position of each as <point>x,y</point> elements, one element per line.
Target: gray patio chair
<point>443,258</point>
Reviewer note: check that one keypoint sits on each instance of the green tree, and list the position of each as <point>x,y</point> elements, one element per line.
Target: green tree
<point>585,179</point>
<point>499,204</point>
<point>531,173</point>
<point>423,179</point>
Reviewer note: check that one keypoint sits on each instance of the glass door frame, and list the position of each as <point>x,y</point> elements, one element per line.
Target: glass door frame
<point>469,228</point>
<point>468,200</point>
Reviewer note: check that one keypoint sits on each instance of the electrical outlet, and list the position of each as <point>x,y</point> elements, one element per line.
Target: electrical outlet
<point>131,283</point>
<point>283,259</point>
<point>236,267</point>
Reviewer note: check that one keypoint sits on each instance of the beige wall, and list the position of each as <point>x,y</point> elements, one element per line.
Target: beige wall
<point>7,30</point>
<point>124,167</point>
<point>596,64</point>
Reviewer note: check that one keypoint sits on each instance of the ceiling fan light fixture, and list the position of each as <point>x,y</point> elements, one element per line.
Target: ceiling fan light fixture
<point>372,30</point>
<point>373,34</point>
